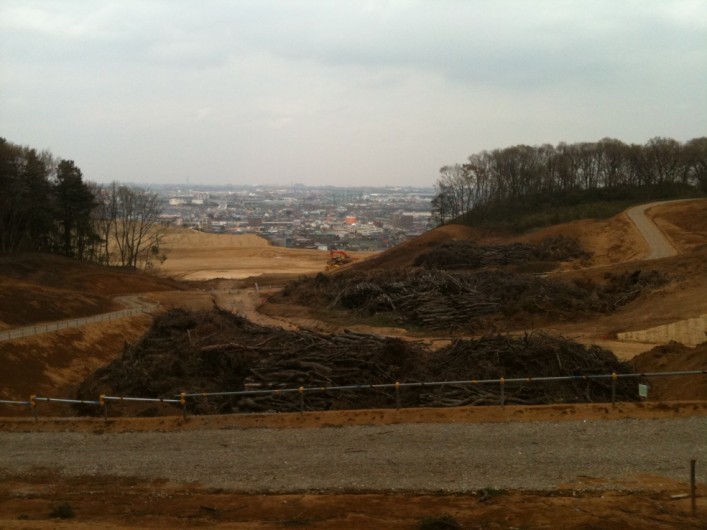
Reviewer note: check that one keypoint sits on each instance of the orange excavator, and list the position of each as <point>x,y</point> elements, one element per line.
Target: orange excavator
<point>337,258</point>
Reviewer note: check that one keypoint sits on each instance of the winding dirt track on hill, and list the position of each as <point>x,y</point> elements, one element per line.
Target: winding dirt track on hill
<point>133,304</point>
<point>659,244</point>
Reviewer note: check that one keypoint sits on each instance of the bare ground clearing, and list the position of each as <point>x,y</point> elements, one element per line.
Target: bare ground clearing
<point>53,365</point>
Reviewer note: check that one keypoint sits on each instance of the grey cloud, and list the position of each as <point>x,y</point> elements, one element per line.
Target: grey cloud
<point>484,43</point>
<point>395,88</point>
<point>505,44</point>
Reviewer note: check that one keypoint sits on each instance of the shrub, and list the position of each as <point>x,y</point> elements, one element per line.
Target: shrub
<point>62,511</point>
<point>443,522</point>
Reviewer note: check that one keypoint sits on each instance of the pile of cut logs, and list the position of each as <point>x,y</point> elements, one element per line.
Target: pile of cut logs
<point>216,351</point>
<point>438,299</point>
<point>465,254</point>
<point>533,355</point>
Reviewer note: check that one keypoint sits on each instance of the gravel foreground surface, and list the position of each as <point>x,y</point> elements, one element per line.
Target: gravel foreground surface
<point>422,458</point>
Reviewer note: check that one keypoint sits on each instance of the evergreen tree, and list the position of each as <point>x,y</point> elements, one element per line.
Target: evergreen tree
<point>26,205</point>
<point>75,202</point>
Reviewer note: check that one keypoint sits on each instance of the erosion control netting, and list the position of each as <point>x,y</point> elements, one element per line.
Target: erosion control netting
<point>470,300</point>
<point>216,351</point>
<point>465,254</point>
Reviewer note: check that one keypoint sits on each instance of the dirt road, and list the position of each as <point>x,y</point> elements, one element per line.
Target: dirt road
<point>134,305</point>
<point>660,246</point>
<point>422,458</point>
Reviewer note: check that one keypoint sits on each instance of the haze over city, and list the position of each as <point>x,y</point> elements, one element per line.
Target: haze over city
<point>345,93</point>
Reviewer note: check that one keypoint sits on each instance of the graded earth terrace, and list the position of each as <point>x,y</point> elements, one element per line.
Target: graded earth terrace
<point>583,289</point>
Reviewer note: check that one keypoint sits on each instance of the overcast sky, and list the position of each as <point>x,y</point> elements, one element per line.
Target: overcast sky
<point>340,92</point>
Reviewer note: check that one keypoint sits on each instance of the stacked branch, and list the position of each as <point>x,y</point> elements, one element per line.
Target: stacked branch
<point>469,300</point>
<point>216,351</point>
<point>533,355</point>
<point>465,254</point>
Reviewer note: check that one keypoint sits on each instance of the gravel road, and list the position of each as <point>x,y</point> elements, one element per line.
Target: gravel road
<point>420,457</point>
<point>660,246</point>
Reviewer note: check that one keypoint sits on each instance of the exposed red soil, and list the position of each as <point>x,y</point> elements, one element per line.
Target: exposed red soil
<point>121,503</point>
<point>39,288</point>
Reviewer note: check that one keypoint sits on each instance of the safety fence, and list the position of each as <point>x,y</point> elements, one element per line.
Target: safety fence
<point>28,331</point>
<point>182,399</point>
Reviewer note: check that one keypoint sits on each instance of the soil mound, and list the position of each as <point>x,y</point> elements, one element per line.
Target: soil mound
<point>49,270</point>
<point>44,287</point>
<point>674,357</point>
<point>404,254</point>
<point>177,238</point>
<point>217,351</point>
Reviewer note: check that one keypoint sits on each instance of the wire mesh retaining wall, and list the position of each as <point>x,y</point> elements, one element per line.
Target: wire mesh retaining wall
<point>181,399</point>
<point>38,329</point>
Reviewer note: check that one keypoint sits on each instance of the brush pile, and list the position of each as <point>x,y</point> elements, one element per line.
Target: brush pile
<point>216,351</point>
<point>466,254</point>
<point>465,300</point>
<point>533,355</point>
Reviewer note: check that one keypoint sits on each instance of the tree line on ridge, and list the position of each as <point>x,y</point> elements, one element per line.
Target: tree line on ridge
<point>492,185</point>
<point>47,206</point>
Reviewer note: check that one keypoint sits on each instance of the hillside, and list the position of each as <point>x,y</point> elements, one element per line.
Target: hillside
<point>35,288</point>
<point>615,250</point>
<point>41,288</point>
<point>611,242</point>
<point>197,256</point>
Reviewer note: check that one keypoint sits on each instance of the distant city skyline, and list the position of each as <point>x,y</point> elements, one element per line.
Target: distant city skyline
<point>341,92</point>
<point>295,186</point>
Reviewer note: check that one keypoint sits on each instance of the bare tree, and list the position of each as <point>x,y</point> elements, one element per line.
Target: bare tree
<point>696,162</point>
<point>504,177</point>
<point>611,156</point>
<point>128,222</point>
<point>105,217</point>
<point>665,160</point>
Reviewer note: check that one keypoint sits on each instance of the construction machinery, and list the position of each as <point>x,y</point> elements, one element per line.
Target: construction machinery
<point>337,258</point>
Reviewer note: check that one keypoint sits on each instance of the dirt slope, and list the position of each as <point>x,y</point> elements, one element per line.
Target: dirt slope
<point>38,288</point>
<point>53,364</point>
<point>611,241</point>
<point>193,255</point>
<point>117,503</point>
<point>675,357</point>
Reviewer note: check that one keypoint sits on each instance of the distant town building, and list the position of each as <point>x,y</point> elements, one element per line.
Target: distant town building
<point>402,221</point>
<point>304,217</point>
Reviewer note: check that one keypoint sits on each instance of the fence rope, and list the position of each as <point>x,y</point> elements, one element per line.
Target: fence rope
<point>180,399</point>
<point>420,384</point>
